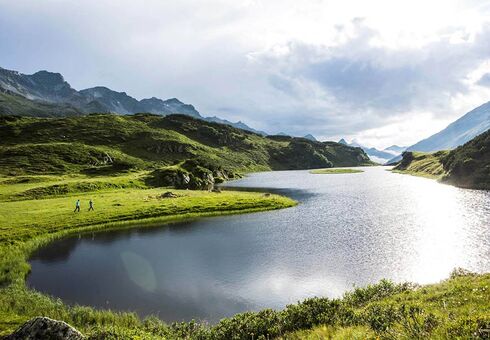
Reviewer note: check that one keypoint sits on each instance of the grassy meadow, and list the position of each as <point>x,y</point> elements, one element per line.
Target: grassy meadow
<point>335,171</point>
<point>37,209</point>
<point>33,213</point>
<point>422,164</point>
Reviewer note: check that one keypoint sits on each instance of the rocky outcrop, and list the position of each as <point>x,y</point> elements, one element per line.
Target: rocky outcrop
<point>45,328</point>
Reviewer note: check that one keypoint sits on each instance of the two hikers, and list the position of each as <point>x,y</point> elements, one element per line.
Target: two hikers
<point>77,206</point>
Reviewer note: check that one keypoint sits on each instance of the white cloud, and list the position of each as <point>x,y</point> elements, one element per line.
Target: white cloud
<point>351,68</point>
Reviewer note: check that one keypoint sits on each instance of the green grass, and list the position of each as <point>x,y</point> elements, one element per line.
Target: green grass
<point>422,164</point>
<point>455,308</point>
<point>335,171</point>
<point>33,213</point>
<point>145,142</point>
<point>458,308</point>
<point>467,166</point>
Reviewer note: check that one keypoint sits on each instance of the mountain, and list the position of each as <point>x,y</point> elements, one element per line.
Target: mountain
<point>45,88</point>
<point>238,125</point>
<point>310,137</point>
<point>457,133</point>
<point>378,155</point>
<point>98,143</point>
<point>395,149</point>
<point>374,154</point>
<point>467,166</point>
<point>12,104</point>
<point>42,85</point>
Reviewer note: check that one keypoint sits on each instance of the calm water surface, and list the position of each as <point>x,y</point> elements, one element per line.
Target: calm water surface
<point>348,230</point>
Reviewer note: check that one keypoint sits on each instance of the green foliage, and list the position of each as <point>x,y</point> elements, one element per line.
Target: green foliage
<point>469,165</point>
<point>143,141</point>
<point>422,164</point>
<point>59,158</point>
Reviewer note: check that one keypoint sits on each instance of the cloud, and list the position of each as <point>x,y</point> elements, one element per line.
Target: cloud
<point>350,69</point>
<point>371,86</point>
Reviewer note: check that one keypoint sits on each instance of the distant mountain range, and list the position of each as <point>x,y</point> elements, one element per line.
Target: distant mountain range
<point>378,156</point>
<point>56,95</point>
<point>472,124</point>
<point>308,136</point>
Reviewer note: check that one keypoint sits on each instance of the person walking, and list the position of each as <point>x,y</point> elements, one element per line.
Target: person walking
<point>77,206</point>
<point>91,205</point>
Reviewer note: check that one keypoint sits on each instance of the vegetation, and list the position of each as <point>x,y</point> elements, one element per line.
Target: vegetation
<point>458,308</point>
<point>422,164</point>
<point>455,308</point>
<point>122,163</point>
<point>467,166</point>
<point>106,143</point>
<point>37,209</point>
<point>335,171</point>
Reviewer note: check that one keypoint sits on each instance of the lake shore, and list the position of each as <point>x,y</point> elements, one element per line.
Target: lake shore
<point>29,222</point>
<point>455,307</point>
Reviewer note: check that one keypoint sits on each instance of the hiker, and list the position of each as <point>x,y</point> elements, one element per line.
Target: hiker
<point>91,205</point>
<point>77,206</point>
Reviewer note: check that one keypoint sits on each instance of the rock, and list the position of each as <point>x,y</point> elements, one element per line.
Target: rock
<point>45,328</point>
<point>168,194</point>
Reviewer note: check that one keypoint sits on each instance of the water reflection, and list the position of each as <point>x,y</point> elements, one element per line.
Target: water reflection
<point>347,230</point>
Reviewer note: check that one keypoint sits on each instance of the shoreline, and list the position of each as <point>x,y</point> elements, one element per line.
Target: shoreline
<point>149,212</point>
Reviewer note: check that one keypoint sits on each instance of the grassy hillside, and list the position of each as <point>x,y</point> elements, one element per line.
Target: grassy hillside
<point>422,164</point>
<point>106,143</point>
<point>467,166</point>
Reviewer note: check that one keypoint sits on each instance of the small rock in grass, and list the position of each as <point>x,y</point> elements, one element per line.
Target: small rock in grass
<point>168,194</point>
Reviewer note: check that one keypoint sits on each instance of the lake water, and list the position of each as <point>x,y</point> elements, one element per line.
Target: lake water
<point>348,230</point>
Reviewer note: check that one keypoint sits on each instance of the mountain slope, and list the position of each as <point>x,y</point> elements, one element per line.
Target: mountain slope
<point>238,125</point>
<point>111,143</point>
<point>310,137</point>
<point>12,104</point>
<point>467,166</point>
<point>455,134</point>
<point>459,132</point>
<point>42,85</point>
<point>374,154</point>
<point>395,149</point>
<point>46,87</point>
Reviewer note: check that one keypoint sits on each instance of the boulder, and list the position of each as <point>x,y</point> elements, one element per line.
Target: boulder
<point>45,328</point>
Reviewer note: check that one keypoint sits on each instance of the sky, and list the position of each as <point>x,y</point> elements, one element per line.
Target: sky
<point>381,72</point>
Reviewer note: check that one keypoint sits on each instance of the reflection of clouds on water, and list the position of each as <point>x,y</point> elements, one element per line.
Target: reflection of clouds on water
<point>348,230</point>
